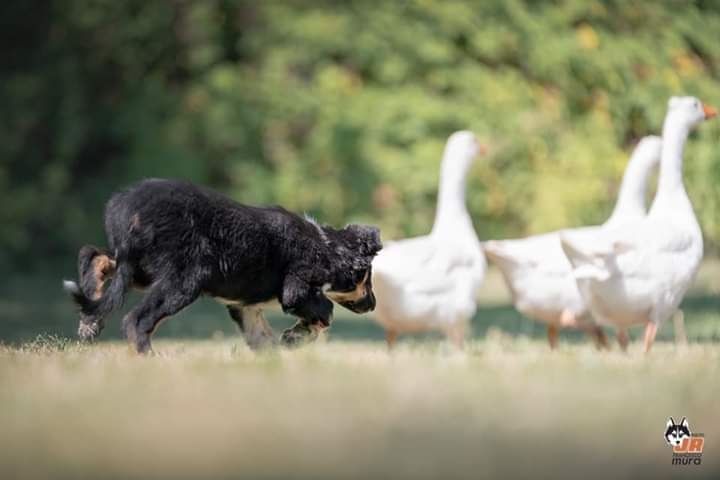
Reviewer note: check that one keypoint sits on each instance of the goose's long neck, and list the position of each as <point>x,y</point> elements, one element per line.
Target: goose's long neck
<point>451,211</point>
<point>671,192</point>
<point>631,198</point>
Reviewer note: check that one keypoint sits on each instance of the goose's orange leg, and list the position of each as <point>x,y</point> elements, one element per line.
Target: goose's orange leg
<point>457,336</point>
<point>391,338</point>
<point>598,336</point>
<point>552,333</point>
<point>650,332</point>
<point>623,339</point>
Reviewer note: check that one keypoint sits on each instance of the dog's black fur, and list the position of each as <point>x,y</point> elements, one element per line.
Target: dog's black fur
<point>179,241</point>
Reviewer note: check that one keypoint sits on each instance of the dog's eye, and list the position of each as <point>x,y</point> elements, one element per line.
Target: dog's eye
<point>346,285</point>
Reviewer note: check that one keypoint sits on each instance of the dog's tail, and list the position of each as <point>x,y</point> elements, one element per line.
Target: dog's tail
<point>102,286</point>
<point>95,267</point>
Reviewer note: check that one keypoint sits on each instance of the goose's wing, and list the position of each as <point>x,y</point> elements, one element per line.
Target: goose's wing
<point>648,255</point>
<point>633,251</point>
<point>428,281</point>
<point>402,260</point>
<point>649,240</point>
<point>541,254</point>
<point>443,269</point>
<point>589,258</point>
<point>642,270</point>
<point>422,265</point>
<point>516,253</point>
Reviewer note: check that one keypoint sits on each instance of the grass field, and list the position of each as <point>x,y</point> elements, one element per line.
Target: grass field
<point>207,407</point>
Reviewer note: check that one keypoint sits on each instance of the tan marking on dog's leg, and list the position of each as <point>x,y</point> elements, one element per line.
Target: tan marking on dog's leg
<point>650,333</point>
<point>258,332</point>
<point>623,338</point>
<point>552,334</point>
<point>679,328</point>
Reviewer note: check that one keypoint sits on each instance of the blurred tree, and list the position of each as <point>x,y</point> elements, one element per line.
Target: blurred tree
<point>341,108</point>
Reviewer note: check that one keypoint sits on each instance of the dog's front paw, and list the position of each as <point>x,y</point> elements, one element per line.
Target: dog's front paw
<point>300,334</point>
<point>296,335</point>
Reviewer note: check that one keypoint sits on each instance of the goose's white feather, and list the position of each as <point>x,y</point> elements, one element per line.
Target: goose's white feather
<point>639,273</point>
<point>536,270</point>
<point>431,282</point>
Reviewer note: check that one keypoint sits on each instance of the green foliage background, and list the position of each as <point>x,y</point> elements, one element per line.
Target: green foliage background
<point>341,108</point>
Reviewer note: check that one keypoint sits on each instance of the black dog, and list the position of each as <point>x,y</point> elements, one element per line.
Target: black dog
<point>179,241</point>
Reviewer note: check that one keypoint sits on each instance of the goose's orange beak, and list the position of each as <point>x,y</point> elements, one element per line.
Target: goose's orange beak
<point>709,111</point>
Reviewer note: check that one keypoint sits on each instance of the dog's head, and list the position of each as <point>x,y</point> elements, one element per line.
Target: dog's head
<point>354,248</point>
<point>675,432</point>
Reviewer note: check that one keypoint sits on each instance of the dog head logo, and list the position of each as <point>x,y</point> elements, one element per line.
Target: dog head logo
<point>687,447</point>
<point>676,432</point>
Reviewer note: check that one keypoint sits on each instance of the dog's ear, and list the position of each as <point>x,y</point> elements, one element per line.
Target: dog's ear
<point>684,423</point>
<point>670,422</point>
<point>368,237</point>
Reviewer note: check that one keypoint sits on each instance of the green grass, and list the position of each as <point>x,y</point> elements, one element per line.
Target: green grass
<point>207,407</point>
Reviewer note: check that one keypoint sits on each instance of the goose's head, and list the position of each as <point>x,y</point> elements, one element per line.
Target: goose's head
<point>460,151</point>
<point>689,110</point>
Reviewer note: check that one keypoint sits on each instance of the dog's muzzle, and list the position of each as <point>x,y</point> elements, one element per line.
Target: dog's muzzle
<point>365,304</point>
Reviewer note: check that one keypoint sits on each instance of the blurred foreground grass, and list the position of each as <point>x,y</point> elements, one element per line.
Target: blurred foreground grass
<point>504,408</point>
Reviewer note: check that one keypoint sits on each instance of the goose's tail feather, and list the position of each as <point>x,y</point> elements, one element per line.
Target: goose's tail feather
<point>586,265</point>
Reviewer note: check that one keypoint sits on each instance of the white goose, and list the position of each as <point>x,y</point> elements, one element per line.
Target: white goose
<point>431,282</point>
<point>639,274</point>
<point>539,275</point>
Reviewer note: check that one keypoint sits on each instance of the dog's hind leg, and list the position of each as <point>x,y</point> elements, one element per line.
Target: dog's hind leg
<point>236,314</point>
<point>162,300</point>
<point>95,268</point>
